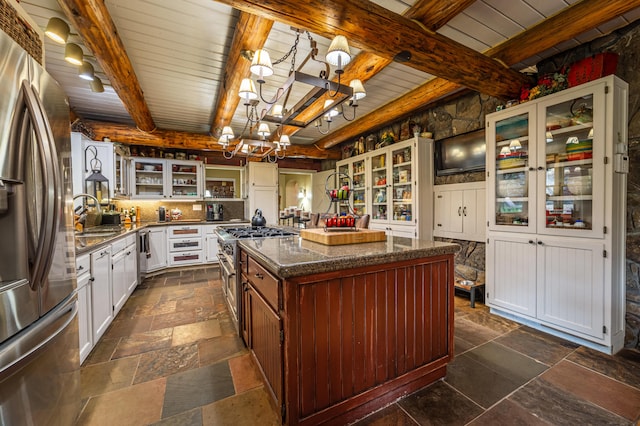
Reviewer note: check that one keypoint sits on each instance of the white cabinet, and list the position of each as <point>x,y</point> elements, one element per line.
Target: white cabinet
<point>121,172</point>
<point>85,331</point>
<point>556,188</point>
<point>155,178</point>
<point>262,191</point>
<point>355,168</point>
<point>131,265</point>
<point>157,249</point>
<point>460,211</point>
<point>124,277</point>
<point>184,245</point>
<point>88,155</point>
<point>101,299</point>
<point>210,244</point>
<point>118,281</point>
<point>394,185</point>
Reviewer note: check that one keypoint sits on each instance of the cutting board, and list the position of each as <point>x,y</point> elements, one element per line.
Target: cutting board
<point>334,238</point>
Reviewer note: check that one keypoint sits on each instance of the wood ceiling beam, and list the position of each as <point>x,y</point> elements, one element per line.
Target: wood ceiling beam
<point>173,139</point>
<point>431,13</point>
<point>251,33</point>
<point>544,35</point>
<point>373,28</point>
<point>94,24</point>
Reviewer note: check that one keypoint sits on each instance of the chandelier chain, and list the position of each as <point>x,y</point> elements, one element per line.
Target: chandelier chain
<point>293,50</point>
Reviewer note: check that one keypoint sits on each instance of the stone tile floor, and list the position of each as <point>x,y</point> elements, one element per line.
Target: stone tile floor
<point>171,357</point>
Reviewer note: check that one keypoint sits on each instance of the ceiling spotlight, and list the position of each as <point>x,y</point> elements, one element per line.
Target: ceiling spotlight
<point>96,85</point>
<point>57,30</point>
<point>73,54</point>
<point>86,71</point>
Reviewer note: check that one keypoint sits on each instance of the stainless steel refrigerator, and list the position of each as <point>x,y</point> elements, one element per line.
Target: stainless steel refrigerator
<point>39,357</point>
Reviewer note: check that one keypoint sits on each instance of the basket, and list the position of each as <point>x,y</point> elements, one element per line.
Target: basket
<point>592,68</point>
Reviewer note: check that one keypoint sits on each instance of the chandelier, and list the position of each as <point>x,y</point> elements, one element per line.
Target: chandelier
<point>277,111</point>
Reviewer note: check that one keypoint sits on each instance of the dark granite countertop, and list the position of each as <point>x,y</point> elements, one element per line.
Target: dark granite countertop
<point>92,241</point>
<point>293,256</point>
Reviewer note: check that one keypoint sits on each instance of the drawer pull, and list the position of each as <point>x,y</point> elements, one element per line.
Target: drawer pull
<point>258,275</point>
<point>80,268</point>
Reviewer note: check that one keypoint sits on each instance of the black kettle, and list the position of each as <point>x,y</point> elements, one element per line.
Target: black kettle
<point>258,219</point>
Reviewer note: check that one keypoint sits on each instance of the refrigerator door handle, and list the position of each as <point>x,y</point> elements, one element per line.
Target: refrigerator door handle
<point>51,181</point>
<point>32,340</point>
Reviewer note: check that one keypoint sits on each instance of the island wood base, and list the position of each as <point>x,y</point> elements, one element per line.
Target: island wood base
<point>337,346</point>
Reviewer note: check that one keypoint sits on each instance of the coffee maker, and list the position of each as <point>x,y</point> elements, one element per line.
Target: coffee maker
<point>214,211</point>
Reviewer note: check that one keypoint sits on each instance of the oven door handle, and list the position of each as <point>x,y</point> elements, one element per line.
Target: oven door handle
<point>224,264</point>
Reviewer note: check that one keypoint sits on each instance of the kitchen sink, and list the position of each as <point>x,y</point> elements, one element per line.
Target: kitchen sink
<point>100,231</point>
<point>96,234</point>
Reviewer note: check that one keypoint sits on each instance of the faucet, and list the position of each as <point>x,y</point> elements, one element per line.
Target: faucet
<point>82,211</point>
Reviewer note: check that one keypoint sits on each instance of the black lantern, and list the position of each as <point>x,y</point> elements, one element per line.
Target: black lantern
<point>96,184</point>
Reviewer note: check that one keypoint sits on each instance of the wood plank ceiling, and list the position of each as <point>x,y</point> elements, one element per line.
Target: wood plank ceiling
<point>172,69</point>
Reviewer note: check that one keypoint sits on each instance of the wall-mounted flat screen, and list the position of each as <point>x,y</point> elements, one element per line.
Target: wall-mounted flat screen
<point>460,153</point>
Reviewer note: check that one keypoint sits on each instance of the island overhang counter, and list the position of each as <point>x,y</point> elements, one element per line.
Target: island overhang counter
<point>341,331</point>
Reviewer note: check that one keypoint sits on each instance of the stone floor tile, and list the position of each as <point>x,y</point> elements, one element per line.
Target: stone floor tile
<point>245,373</point>
<point>603,391</point>
<point>173,319</point>
<point>159,308</point>
<point>538,345</point>
<point>440,404</point>
<point>460,345</point>
<point>624,366</point>
<point>392,415</point>
<point>177,294</point>
<point>188,418</point>
<point>250,408</point>
<point>165,362</point>
<point>131,406</point>
<point>558,407</point>
<point>143,342</point>
<point>122,327</point>
<point>102,352</point>
<point>479,382</point>
<point>105,377</point>
<point>190,333</point>
<point>197,387</point>
<point>507,362</point>
<point>493,322</point>
<point>507,413</point>
<point>220,348</point>
<point>472,332</point>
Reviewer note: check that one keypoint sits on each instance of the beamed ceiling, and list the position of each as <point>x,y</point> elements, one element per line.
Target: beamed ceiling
<point>172,68</point>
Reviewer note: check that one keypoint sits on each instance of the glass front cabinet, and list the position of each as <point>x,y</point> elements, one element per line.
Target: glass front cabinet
<point>385,185</point>
<point>556,188</point>
<point>155,178</point>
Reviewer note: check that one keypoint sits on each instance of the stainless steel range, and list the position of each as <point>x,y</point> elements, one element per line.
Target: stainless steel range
<point>227,256</point>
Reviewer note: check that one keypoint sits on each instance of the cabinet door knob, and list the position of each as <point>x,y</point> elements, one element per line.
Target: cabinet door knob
<point>540,168</point>
<point>539,243</point>
<point>464,211</point>
<point>531,169</point>
<point>459,211</point>
<point>531,242</point>
<point>258,275</point>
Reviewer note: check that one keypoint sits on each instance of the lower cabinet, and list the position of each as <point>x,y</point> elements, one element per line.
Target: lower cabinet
<point>396,230</point>
<point>131,267</point>
<point>558,282</point>
<point>262,325</point>
<point>85,331</point>
<point>101,296</point>
<point>157,249</point>
<point>210,244</point>
<point>459,211</point>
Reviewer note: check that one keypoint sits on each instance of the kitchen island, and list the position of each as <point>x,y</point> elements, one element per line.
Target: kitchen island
<point>341,331</point>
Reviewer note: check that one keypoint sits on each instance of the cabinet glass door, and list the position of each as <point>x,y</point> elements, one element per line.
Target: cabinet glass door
<point>359,187</point>
<point>401,186</point>
<point>512,200</point>
<point>569,148</point>
<point>379,180</point>
<point>121,174</point>
<point>149,178</point>
<point>343,178</point>
<point>184,179</point>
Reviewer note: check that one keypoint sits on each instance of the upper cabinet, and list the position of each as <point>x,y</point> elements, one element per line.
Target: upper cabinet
<point>223,182</point>
<point>154,178</point>
<point>88,155</point>
<point>394,185</point>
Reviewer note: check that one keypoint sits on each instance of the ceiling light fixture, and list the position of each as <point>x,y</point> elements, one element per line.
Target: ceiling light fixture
<point>57,30</point>
<point>86,72</point>
<point>73,54</point>
<point>276,110</point>
<point>96,85</point>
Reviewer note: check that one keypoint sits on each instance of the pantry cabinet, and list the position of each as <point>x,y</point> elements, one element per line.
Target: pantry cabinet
<point>460,211</point>
<point>261,185</point>
<point>394,185</point>
<point>556,211</point>
<point>156,178</point>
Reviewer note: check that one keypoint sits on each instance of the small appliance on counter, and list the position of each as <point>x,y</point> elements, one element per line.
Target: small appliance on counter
<point>162,214</point>
<point>214,211</point>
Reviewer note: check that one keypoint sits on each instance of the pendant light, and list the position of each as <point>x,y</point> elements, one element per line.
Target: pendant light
<point>86,71</point>
<point>57,30</point>
<point>73,54</point>
<point>96,85</point>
